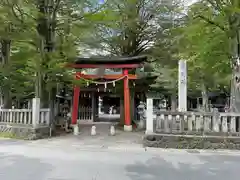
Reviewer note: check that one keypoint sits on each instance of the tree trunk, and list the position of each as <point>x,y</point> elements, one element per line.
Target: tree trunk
<point>7,99</point>
<point>38,75</point>
<point>173,102</point>
<point>204,98</point>
<point>6,89</point>
<point>235,82</point>
<point>52,98</point>
<point>46,29</point>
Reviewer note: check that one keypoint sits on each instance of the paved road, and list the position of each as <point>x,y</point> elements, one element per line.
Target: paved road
<point>37,161</point>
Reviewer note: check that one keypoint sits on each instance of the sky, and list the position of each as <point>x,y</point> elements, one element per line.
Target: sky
<point>101,1</point>
<point>189,2</point>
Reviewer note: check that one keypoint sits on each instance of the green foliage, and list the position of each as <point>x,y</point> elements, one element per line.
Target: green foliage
<point>130,27</point>
<point>206,49</point>
<point>165,52</point>
<point>9,135</point>
<point>199,40</point>
<point>42,42</point>
<point>29,64</point>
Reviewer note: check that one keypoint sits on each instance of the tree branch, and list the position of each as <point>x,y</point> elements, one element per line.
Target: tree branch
<point>217,4</point>
<point>78,18</point>
<point>54,14</point>
<point>209,21</point>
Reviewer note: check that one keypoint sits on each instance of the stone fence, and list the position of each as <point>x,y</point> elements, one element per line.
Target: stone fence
<point>168,129</point>
<point>196,123</point>
<point>25,123</point>
<point>24,117</point>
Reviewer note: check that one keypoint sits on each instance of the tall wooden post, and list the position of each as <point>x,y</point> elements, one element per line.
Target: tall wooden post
<point>76,94</point>
<point>127,114</point>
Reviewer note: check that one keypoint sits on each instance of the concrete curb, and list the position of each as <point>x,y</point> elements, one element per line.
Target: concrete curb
<point>136,149</point>
<point>120,148</point>
<point>193,151</point>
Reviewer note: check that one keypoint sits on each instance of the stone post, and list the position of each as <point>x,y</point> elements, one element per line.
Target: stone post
<point>149,116</point>
<point>182,86</point>
<point>75,129</point>
<point>35,112</point>
<point>216,118</point>
<point>142,115</point>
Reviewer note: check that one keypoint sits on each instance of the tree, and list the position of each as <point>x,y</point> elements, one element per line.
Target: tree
<point>225,16</point>
<point>44,34</point>
<point>130,26</point>
<point>166,53</point>
<point>206,49</point>
<point>13,29</point>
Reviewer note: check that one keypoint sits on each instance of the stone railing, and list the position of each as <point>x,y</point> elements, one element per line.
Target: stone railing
<point>44,117</point>
<point>16,116</point>
<point>31,123</point>
<point>197,123</point>
<point>24,117</point>
<point>191,130</point>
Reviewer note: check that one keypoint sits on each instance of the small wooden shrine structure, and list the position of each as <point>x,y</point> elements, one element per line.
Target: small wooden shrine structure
<point>125,64</point>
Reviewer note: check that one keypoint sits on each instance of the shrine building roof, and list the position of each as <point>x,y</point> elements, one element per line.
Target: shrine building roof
<point>111,60</point>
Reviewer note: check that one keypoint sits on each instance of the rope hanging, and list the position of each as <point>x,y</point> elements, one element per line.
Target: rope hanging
<point>106,82</point>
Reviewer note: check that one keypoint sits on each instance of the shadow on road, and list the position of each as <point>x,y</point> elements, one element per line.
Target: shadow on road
<point>214,168</point>
<point>22,168</point>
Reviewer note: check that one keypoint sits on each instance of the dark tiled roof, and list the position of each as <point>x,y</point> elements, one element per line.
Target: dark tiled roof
<point>111,60</point>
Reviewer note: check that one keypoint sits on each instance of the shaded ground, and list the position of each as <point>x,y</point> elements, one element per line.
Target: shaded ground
<point>111,158</point>
<point>101,140</point>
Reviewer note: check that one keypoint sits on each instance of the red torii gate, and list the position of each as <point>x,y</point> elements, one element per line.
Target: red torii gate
<point>124,63</point>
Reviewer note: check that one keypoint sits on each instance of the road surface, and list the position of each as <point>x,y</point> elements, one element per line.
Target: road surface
<point>21,160</point>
